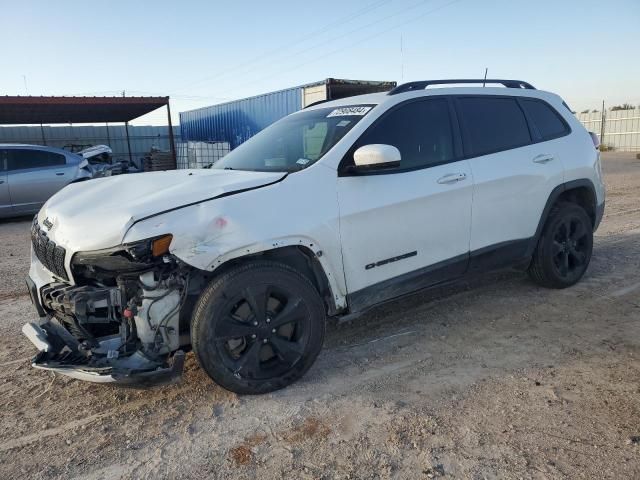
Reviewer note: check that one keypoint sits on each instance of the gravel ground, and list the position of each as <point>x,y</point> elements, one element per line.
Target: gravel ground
<point>15,262</point>
<point>493,378</point>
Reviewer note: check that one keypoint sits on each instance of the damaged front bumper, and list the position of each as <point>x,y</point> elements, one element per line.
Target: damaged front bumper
<point>126,334</point>
<point>58,352</point>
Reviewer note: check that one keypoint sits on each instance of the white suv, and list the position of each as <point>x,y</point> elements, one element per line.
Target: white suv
<point>327,212</point>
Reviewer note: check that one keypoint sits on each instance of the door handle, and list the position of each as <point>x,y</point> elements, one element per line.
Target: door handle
<point>452,178</point>
<point>59,173</point>
<point>542,158</point>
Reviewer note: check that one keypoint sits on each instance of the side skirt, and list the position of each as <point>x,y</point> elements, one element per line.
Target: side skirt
<point>512,254</point>
<point>407,283</point>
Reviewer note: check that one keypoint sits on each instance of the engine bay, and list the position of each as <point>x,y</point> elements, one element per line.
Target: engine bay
<point>125,319</point>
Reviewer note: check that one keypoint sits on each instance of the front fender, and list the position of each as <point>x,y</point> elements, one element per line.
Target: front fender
<point>336,281</point>
<point>209,234</point>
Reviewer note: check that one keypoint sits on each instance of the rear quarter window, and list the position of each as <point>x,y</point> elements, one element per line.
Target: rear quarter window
<point>492,124</point>
<point>546,122</point>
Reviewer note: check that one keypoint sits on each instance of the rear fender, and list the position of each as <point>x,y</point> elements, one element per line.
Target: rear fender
<point>554,197</point>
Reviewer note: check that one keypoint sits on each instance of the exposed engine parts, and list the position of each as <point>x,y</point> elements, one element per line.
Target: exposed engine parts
<point>157,313</point>
<point>116,326</point>
<point>80,307</point>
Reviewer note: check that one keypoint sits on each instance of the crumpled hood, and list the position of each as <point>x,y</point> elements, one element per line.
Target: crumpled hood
<point>97,213</point>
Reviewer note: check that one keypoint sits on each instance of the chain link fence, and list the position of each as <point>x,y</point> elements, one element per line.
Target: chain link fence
<point>200,154</point>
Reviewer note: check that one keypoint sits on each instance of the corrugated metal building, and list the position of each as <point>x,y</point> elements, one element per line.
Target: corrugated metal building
<point>237,121</point>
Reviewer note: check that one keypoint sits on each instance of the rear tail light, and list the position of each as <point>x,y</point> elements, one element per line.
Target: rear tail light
<point>595,140</point>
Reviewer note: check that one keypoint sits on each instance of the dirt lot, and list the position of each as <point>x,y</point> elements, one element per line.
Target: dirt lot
<point>495,378</point>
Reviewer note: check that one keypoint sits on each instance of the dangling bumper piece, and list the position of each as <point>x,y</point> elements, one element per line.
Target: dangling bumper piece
<point>61,353</point>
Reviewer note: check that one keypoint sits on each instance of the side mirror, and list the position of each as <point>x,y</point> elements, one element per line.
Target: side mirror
<point>376,156</point>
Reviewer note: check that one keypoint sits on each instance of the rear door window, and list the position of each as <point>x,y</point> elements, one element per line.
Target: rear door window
<point>19,159</point>
<point>492,124</point>
<point>546,121</point>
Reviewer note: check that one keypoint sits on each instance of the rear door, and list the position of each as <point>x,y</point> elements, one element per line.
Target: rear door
<point>35,175</point>
<point>5,199</point>
<point>514,174</point>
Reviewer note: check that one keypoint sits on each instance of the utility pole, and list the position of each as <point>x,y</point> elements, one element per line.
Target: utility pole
<point>126,128</point>
<point>172,142</point>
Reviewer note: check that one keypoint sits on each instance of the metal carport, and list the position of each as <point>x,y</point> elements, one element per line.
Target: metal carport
<point>23,110</point>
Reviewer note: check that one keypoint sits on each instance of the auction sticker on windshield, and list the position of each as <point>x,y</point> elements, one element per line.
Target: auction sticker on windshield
<point>349,111</point>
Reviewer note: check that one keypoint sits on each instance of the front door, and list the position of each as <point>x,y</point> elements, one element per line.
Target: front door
<point>406,228</point>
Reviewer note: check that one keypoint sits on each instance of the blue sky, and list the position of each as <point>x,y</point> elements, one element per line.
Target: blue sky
<point>205,52</point>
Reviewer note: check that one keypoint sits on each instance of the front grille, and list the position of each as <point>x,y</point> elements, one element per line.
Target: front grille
<point>50,255</point>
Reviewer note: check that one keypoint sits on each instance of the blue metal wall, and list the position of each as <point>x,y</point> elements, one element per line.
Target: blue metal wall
<point>237,121</point>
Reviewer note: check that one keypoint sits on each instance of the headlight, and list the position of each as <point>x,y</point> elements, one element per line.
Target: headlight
<point>124,258</point>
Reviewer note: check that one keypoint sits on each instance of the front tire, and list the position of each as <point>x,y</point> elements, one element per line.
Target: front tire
<point>564,248</point>
<point>258,328</point>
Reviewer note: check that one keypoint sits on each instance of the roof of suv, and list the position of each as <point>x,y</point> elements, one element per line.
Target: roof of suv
<point>428,87</point>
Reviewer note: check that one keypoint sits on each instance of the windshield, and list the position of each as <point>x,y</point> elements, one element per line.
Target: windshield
<point>296,141</point>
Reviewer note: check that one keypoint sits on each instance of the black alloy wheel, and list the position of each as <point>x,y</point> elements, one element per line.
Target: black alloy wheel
<point>571,246</point>
<point>564,249</point>
<point>258,328</point>
<point>264,333</point>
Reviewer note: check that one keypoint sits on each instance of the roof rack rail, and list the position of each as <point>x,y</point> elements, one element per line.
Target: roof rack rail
<point>422,84</point>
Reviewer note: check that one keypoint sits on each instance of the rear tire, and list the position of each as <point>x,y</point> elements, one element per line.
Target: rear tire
<point>564,249</point>
<point>258,328</point>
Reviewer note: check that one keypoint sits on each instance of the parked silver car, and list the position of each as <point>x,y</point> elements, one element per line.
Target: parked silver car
<point>30,174</point>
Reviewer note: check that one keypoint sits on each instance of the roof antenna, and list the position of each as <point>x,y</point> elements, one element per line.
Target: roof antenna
<point>486,69</point>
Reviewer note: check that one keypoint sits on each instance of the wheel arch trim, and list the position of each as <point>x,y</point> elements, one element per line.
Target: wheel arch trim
<point>311,248</point>
<point>555,194</point>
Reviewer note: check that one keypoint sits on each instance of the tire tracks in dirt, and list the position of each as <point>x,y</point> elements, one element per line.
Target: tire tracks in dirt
<point>111,413</point>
